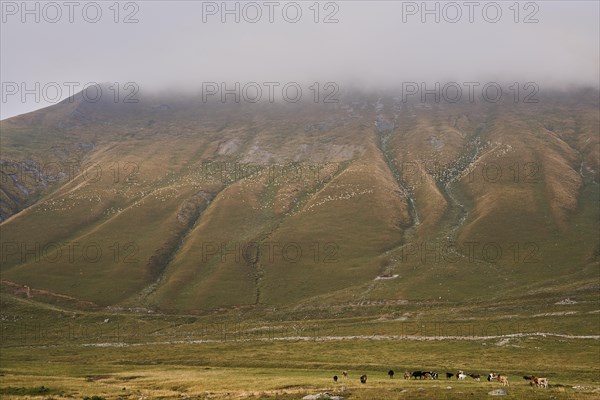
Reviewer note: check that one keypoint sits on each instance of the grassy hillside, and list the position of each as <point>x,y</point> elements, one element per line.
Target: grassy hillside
<point>175,204</point>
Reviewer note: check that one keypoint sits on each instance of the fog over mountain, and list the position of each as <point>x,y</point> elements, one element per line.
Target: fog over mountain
<point>371,45</point>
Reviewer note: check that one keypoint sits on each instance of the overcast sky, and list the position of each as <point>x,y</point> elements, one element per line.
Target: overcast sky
<point>374,44</point>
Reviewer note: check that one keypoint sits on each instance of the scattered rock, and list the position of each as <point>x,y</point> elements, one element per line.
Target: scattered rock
<point>322,396</point>
<point>566,301</point>
<point>386,276</point>
<point>498,392</point>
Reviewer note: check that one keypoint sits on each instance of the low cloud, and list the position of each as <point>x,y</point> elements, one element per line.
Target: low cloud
<point>377,44</point>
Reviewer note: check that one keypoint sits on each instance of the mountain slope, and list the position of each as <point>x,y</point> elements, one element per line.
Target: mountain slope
<point>178,204</point>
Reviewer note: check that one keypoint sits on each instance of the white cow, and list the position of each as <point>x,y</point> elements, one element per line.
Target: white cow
<point>540,382</point>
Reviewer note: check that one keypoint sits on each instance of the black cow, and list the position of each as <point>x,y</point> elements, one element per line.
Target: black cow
<point>363,379</point>
<point>391,373</point>
<point>449,375</point>
<point>335,378</point>
<point>417,374</point>
<point>475,376</point>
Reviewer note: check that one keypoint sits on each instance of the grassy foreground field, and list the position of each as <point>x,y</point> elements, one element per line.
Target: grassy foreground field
<point>49,352</point>
<point>290,370</point>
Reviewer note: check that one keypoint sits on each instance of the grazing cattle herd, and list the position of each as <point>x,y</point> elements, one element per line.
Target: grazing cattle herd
<point>535,381</point>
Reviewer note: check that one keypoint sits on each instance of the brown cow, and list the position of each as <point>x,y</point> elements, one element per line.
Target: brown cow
<point>536,381</point>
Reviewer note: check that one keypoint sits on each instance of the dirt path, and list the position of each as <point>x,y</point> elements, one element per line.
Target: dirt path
<point>332,338</point>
